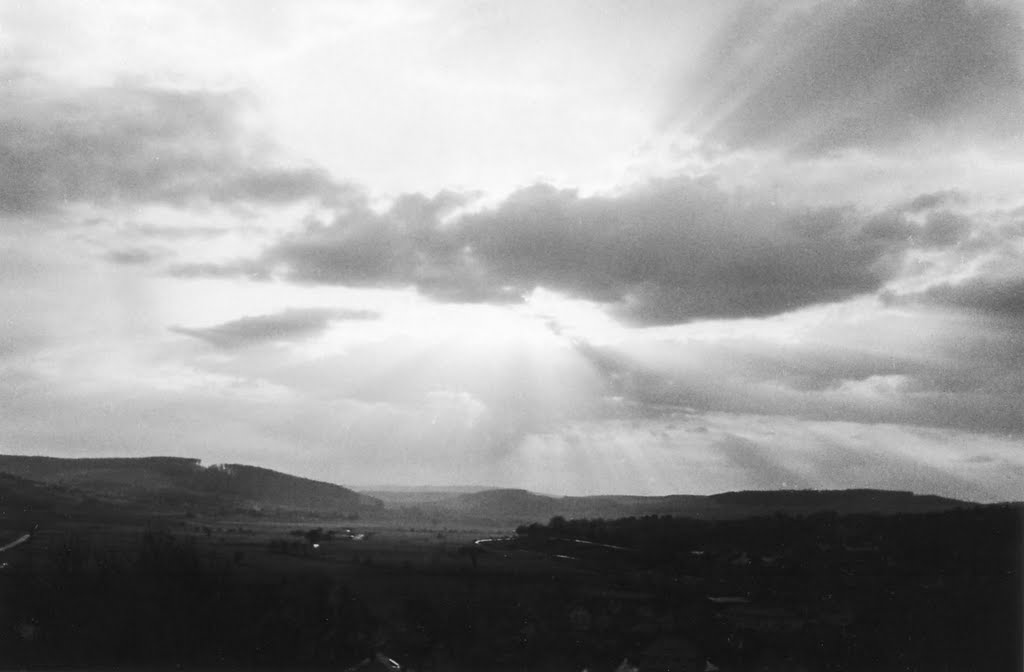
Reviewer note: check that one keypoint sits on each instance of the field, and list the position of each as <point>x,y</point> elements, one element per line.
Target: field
<point>823,592</point>
<point>154,592</point>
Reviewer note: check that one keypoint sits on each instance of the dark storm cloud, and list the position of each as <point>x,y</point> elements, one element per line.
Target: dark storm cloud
<point>138,144</point>
<point>284,326</point>
<point>858,73</point>
<point>669,252</point>
<point>678,251</point>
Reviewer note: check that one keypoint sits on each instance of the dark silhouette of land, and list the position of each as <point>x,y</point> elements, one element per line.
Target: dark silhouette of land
<point>162,562</point>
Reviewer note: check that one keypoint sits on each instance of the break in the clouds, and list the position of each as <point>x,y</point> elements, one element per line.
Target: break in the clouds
<point>132,144</point>
<point>289,325</point>
<point>821,76</point>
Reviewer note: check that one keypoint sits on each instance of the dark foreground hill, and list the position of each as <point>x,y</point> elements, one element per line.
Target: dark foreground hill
<point>510,504</point>
<point>184,483</point>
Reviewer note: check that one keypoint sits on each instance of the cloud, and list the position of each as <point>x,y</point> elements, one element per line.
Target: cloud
<point>250,269</point>
<point>132,256</point>
<point>1000,296</point>
<point>933,200</point>
<point>294,324</point>
<point>817,77</point>
<point>669,252</point>
<point>133,143</point>
<point>405,245</point>
<point>172,233</point>
<point>874,365</point>
<point>682,250</point>
<point>985,263</point>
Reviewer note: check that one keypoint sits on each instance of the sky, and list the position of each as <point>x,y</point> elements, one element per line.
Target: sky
<point>577,247</point>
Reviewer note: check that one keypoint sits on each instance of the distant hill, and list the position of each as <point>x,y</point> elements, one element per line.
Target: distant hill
<point>525,506</point>
<point>501,503</point>
<point>275,489</point>
<point>177,483</point>
<point>399,495</point>
<point>184,483</point>
<point>840,501</point>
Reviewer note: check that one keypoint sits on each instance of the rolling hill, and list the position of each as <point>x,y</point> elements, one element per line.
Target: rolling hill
<point>525,506</point>
<point>177,482</point>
